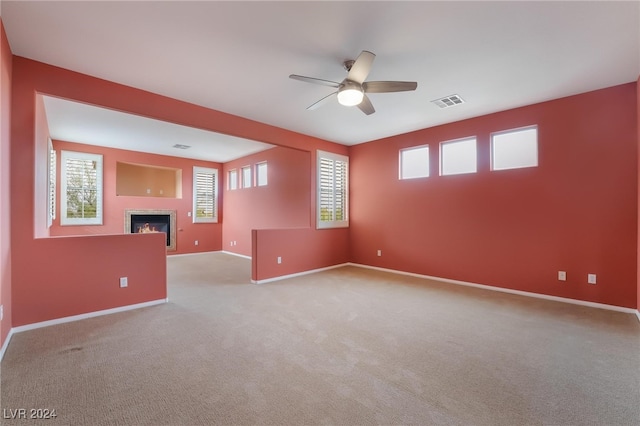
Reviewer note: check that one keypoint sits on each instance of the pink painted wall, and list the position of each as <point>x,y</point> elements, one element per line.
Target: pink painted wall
<point>577,211</point>
<point>207,234</point>
<point>5,161</point>
<point>81,275</point>
<point>283,203</point>
<point>29,284</point>
<point>638,165</point>
<point>300,249</point>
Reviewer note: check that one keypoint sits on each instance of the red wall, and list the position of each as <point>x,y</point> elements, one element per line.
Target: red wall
<point>32,285</point>
<point>576,211</point>
<point>638,163</point>
<point>5,161</point>
<point>207,234</point>
<point>283,203</point>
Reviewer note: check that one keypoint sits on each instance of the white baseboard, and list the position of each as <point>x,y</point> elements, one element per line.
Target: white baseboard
<point>236,254</point>
<point>191,254</point>
<point>506,290</point>
<point>5,345</point>
<point>638,314</point>
<point>298,274</point>
<point>57,321</point>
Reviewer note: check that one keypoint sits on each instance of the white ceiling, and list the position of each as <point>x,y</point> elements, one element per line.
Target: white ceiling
<point>82,123</point>
<point>236,56</point>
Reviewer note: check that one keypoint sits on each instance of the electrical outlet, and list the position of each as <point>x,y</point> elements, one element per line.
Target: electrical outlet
<point>591,278</point>
<point>279,260</point>
<point>124,282</point>
<point>196,242</point>
<point>1,312</point>
<point>189,214</point>
<point>562,276</point>
<point>379,252</point>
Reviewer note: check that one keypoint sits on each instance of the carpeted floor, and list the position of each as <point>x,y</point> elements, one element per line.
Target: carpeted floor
<point>345,346</point>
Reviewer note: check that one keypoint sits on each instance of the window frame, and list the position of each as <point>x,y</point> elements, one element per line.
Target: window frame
<point>453,141</point>
<point>266,174</point>
<point>231,180</point>
<point>515,130</point>
<point>98,158</point>
<point>215,195</point>
<point>414,148</point>
<point>245,183</point>
<point>327,224</point>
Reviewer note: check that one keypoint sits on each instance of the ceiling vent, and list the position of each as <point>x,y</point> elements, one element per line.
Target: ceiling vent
<point>179,146</point>
<point>449,101</point>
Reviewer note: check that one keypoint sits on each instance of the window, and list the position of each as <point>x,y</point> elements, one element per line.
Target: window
<point>233,180</point>
<point>333,175</point>
<point>205,195</point>
<point>81,194</point>
<point>414,162</point>
<point>458,156</point>
<point>246,177</point>
<point>51,180</point>
<point>261,174</point>
<point>514,149</point>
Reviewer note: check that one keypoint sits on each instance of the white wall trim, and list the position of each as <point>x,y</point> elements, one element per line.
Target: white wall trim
<point>236,254</point>
<point>638,314</point>
<point>169,256</point>
<point>63,320</point>
<point>6,344</point>
<point>506,290</point>
<point>298,274</point>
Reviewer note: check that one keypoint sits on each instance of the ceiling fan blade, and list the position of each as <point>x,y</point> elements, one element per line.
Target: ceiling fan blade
<point>366,106</point>
<point>389,86</point>
<point>361,67</point>
<point>322,101</point>
<point>315,80</point>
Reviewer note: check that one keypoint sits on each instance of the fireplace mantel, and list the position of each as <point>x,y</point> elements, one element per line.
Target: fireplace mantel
<point>129,223</point>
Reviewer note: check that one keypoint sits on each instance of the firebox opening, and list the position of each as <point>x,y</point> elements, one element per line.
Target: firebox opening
<point>144,224</point>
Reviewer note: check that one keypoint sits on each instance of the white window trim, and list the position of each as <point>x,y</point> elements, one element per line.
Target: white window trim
<point>333,223</point>
<point>257,175</point>
<point>242,181</point>
<point>517,129</point>
<point>64,220</point>
<point>229,187</point>
<point>441,171</point>
<point>214,172</point>
<point>410,149</point>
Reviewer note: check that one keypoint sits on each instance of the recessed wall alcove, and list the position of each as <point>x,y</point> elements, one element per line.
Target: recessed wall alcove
<point>152,221</point>
<point>141,180</point>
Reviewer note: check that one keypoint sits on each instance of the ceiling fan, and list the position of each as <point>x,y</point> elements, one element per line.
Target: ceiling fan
<point>353,89</point>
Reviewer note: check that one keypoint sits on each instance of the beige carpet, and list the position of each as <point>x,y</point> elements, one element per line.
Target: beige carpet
<point>348,346</point>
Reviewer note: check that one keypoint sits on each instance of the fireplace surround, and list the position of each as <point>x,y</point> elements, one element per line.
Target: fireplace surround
<point>151,221</point>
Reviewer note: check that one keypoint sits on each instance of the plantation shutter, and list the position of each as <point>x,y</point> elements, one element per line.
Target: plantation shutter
<point>205,194</point>
<point>333,172</point>
<point>51,204</point>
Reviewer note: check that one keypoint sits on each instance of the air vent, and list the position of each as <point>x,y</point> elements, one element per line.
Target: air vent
<point>179,146</point>
<point>449,101</point>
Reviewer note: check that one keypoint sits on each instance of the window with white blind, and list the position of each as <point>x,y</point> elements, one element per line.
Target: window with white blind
<point>205,195</point>
<point>233,180</point>
<point>333,186</point>
<point>261,174</point>
<point>51,181</point>
<point>246,177</point>
<point>81,188</point>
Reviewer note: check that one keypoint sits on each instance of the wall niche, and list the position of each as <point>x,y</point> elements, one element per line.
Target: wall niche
<point>141,180</point>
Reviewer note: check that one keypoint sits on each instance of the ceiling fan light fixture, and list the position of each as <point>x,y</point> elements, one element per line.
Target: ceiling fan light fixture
<point>350,95</point>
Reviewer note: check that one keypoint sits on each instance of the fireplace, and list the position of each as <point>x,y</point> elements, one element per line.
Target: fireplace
<point>152,221</point>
